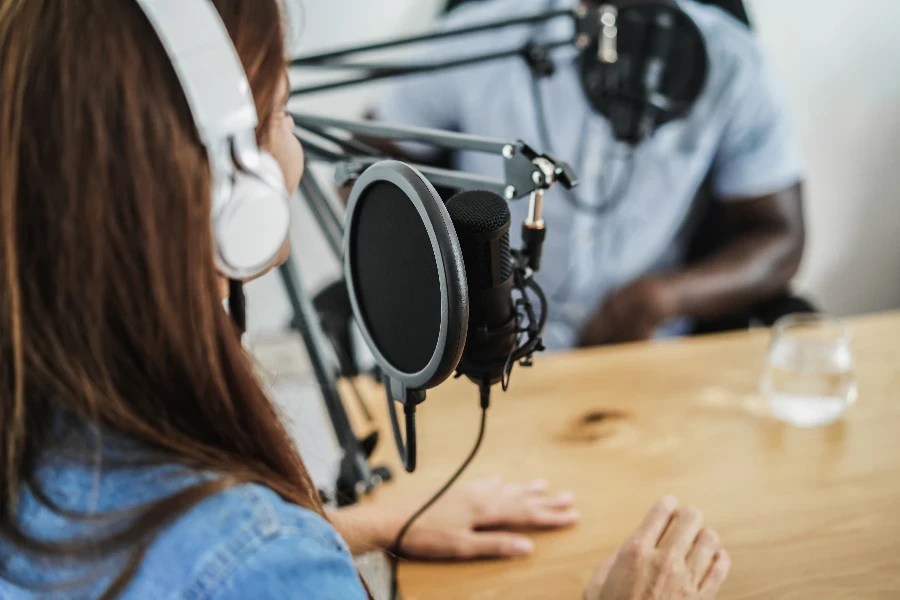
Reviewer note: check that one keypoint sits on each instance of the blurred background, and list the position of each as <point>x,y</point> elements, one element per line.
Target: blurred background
<point>834,59</point>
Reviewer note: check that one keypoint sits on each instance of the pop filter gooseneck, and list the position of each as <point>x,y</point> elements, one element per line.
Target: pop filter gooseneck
<point>407,285</point>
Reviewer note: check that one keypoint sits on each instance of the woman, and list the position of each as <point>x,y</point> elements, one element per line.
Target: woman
<point>140,456</point>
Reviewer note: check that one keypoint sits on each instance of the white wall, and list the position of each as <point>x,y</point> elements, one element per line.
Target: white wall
<point>842,75</point>
<point>840,64</point>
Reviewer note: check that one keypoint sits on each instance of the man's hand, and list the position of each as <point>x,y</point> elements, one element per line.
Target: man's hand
<point>473,520</point>
<point>631,314</point>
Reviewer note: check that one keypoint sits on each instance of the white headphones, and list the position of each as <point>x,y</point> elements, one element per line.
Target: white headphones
<point>250,211</point>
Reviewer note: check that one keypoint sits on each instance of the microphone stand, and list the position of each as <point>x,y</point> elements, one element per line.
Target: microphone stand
<point>356,477</point>
<point>527,173</point>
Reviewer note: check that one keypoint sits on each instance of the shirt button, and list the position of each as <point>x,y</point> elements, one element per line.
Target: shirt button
<point>594,166</point>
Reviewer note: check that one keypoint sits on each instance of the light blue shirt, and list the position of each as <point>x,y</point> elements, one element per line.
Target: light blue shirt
<point>739,129</point>
<point>243,543</point>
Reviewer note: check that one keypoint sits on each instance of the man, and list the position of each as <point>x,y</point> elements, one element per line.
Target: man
<point>615,258</point>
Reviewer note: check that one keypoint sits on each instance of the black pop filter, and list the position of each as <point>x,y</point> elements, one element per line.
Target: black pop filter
<point>407,283</point>
<point>646,65</point>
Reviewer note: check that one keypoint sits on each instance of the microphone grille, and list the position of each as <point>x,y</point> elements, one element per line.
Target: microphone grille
<point>478,212</point>
<point>482,213</point>
<point>506,264</point>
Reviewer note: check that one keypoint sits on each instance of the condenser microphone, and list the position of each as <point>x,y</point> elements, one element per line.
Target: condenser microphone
<point>406,282</point>
<point>482,222</point>
<point>435,289</point>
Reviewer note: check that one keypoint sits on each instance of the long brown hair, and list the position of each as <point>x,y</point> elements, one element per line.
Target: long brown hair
<point>109,305</point>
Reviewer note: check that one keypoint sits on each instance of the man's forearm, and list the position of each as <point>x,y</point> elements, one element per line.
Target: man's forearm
<point>758,264</point>
<point>750,270</point>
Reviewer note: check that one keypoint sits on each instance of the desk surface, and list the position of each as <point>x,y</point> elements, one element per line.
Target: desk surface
<point>805,514</point>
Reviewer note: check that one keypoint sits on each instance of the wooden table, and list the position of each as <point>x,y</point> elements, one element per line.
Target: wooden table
<point>805,514</point>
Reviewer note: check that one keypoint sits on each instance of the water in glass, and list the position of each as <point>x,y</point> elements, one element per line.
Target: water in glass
<point>809,378</point>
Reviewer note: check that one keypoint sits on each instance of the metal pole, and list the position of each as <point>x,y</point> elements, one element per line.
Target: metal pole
<point>323,212</point>
<point>443,139</point>
<point>356,477</point>
<point>316,59</point>
<point>390,71</point>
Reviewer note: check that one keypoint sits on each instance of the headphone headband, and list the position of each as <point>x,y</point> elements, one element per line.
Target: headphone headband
<point>250,213</point>
<point>207,66</point>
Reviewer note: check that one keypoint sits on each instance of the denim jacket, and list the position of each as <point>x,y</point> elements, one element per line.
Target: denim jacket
<point>244,543</point>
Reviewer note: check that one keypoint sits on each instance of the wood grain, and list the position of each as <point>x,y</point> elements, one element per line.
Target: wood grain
<point>805,514</point>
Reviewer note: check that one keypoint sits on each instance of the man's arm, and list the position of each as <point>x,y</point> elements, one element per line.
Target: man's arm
<point>757,153</point>
<point>758,264</point>
<point>756,176</point>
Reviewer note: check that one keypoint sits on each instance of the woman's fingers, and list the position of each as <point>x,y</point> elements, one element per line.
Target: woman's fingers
<point>525,505</point>
<point>679,538</point>
<point>492,544</point>
<point>701,556</point>
<point>525,510</point>
<point>553,518</point>
<point>488,483</point>
<point>656,522</point>
<point>536,487</point>
<point>560,501</point>
<point>598,580</point>
<point>709,587</point>
<point>537,490</point>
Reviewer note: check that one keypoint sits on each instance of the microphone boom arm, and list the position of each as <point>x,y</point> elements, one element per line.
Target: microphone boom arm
<point>350,170</point>
<point>590,24</point>
<point>526,170</point>
<point>328,58</point>
<point>377,72</point>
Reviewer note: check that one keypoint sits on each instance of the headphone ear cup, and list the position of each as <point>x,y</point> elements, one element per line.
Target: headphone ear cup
<point>270,171</point>
<point>255,222</point>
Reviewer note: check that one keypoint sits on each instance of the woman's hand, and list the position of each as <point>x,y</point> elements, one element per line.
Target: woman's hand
<point>468,521</point>
<point>473,520</point>
<point>671,556</point>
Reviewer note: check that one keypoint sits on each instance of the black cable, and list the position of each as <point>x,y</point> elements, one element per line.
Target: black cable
<point>237,305</point>
<point>535,337</point>
<point>398,541</point>
<point>406,449</point>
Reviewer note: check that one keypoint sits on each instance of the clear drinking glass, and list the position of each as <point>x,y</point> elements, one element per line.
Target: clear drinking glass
<point>809,379</point>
